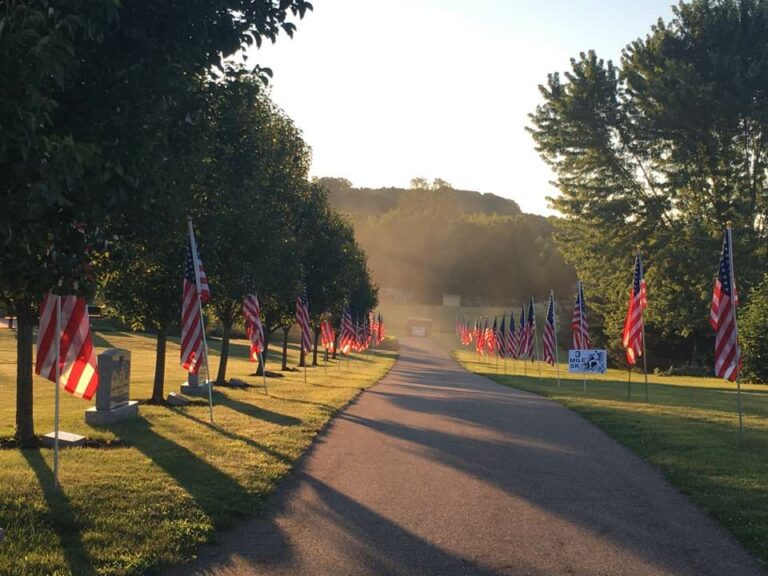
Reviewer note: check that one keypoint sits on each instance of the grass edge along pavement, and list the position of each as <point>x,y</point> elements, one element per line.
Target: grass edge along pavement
<point>688,431</point>
<point>161,485</point>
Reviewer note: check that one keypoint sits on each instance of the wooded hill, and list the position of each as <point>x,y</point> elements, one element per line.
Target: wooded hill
<point>432,239</point>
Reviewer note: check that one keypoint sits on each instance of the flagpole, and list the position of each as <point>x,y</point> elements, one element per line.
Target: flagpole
<point>195,262</point>
<point>581,325</point>
<point>536,338</point>
<point>554,322</point>
<point>57,394</point>
<point>642,326</point>
<point>734,296</point>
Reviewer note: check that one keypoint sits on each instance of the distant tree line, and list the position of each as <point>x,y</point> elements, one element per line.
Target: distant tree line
<point>117,121</point>
<point>432,239</point>
<point>660,151</point>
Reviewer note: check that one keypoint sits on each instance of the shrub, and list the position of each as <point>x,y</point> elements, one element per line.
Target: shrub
<point>753,334</point>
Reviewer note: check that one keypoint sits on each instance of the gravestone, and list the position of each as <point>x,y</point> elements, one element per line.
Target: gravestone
<point>113,394</point>
<point>193,387</point>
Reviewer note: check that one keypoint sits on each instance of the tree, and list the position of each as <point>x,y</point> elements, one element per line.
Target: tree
<point>328,242</point>
<point>661,152</point>
<point>79,122</point>
<point>257,171</point>
<point>753,334</point>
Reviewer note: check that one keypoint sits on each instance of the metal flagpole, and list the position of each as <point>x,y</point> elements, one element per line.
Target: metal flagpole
<point>195,262</point>
<point>57,394</point>
<point>554,322</point>
<point>536,338</point>
<point>581,325</point>
<point>645,358</point>
<point>629,381</point>
<point>732,280</point>
<point>642,326</point>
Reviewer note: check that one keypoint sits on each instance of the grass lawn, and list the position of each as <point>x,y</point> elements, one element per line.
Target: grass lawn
<point>688,430</point>
<point>170,480</point>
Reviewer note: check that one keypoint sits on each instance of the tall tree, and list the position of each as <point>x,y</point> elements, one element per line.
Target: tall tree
<point>661,152</point>
<point>80,120</point>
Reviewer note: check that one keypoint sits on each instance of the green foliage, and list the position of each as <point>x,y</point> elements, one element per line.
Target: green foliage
<point>433,239</point>
<point>753,334</point>
<point>661,152</point>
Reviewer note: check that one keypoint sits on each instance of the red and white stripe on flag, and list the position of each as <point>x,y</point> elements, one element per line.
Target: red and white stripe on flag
<point>78,370</point>
<point>347,339</point>
<point>191,330</point>
<point>253,326</point>
<point>548,337</point>
<point>327,336</point>
<point>632,336</point>
<point>579,323</point>
<point>302,317</point>
<point>722,317</point>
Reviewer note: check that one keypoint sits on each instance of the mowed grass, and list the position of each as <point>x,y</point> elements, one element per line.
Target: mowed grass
<point>688,430</point>
<point>172,480</point>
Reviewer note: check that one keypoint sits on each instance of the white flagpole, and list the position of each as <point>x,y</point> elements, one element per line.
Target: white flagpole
<point>554,326</point>
<point>57,394</point>
<point>642,326</point>
<point>195,262</point>
<point>734,296</point>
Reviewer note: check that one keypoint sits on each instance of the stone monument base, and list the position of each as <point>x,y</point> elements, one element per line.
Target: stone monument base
<point>96,417</point>
<point>195,389</point>
<point>66,439</point>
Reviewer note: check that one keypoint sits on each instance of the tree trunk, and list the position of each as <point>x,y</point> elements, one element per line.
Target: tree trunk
<point>157,387</point>
<point>314,348</point>
<point>337,337</point>
<point>221,378</point>
<point>285,349</point>
<point>25,425</point>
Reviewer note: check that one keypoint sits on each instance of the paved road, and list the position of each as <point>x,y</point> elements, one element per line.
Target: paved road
<point>439,472</point>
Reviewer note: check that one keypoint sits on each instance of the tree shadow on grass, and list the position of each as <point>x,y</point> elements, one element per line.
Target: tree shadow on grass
<point>61,517</point>
<point>256,412</point>
<point>237,437</point>
<point>99,341</point>
<point>220,496</point>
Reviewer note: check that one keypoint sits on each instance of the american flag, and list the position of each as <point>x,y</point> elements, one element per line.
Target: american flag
<point>501,338</point>
<point>380,330</point>
<point>579,322</point>
<point>347,338</point>
<point>722,315</point>
<point>76,357</point>
<point>302,317</point>
<point>521,335</point>
<point>511,337</point>
<point>253,327</point>
<point>481,336</point>
<point>192,349</point>
<point>528,336</point>
<point>359,339</point>
<point>327,336</point>
<point>632,337</point>
<point>548,337</point>
<point>492,342</point>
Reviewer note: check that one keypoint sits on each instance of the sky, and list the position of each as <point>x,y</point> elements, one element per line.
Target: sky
<point>388,90</point>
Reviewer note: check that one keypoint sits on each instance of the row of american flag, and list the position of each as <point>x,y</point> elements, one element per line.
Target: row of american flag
<point>65,351</point>
<point>506,341</point>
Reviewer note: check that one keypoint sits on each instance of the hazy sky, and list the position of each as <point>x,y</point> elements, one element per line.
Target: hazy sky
<point>386,90</point>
